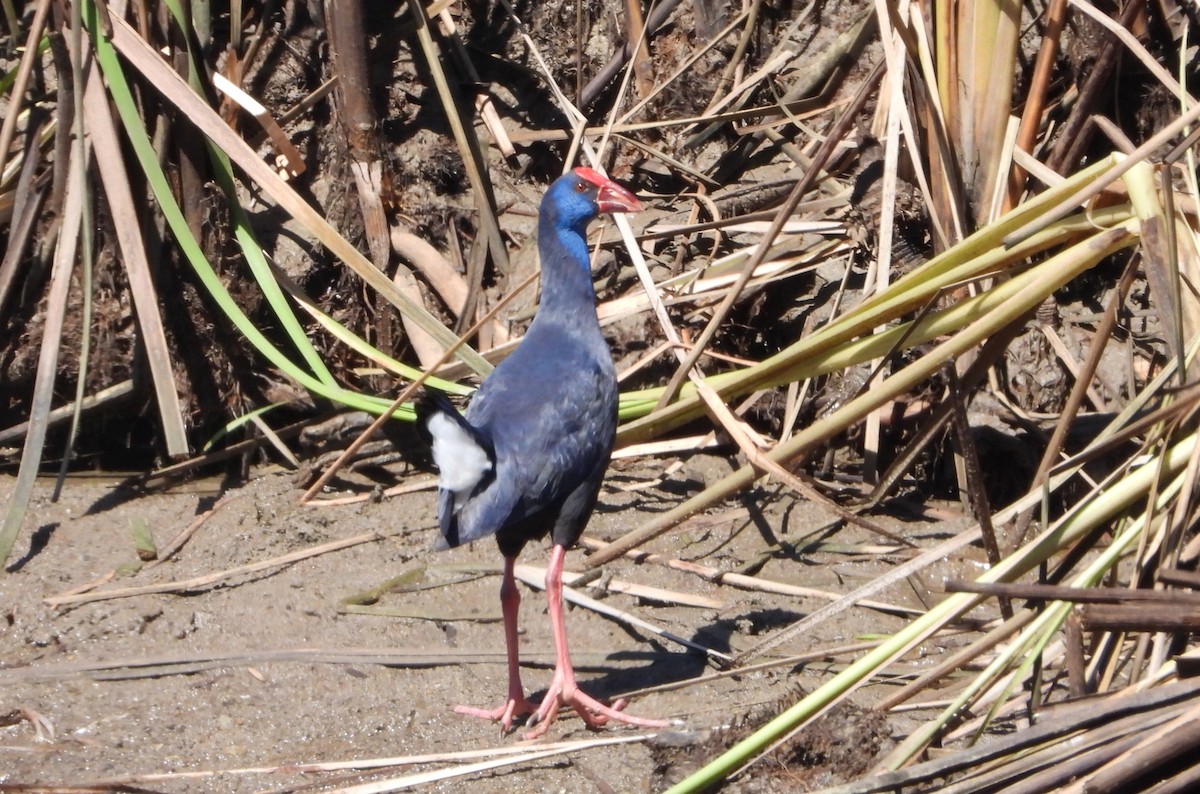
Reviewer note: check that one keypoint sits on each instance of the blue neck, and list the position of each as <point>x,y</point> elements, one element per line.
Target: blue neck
<point>566,269</point>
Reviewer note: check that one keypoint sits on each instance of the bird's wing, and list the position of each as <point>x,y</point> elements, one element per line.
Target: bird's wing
<point>558,439</point>
<point>582,443</point>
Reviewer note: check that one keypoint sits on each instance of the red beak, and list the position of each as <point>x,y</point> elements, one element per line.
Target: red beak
<point>610,197</point>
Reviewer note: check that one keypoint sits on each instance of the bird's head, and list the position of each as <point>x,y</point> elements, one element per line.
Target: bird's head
<point>581,194</point>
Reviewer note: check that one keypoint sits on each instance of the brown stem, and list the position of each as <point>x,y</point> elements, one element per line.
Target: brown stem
<point>1031,119</point>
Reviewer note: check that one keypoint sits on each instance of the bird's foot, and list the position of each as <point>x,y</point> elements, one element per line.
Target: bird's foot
<point>594,713</point>
<point>513,707</point>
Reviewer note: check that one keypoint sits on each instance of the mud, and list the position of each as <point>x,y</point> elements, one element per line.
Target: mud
<point>174,691</point>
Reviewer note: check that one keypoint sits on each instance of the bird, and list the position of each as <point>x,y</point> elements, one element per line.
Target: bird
<point>528,458</point>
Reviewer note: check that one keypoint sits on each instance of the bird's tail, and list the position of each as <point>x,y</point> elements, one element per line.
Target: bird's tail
<point>464,455</point>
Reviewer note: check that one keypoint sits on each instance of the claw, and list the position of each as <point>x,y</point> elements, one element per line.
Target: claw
<point>504,714</point>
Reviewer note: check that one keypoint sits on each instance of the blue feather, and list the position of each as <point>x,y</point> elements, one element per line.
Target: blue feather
<point>529,456</point>
<point>549,411</point>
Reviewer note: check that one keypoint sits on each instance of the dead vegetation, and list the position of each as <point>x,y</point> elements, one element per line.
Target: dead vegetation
<point>895,253</point>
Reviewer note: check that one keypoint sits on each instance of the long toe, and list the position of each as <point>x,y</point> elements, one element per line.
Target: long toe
<point>503,714</point>
<point>543,719</point>
<point>596,714</point>
<point>593,713</point>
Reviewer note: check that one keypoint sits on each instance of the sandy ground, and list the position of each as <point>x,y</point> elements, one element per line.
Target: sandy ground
<point>177,691</point>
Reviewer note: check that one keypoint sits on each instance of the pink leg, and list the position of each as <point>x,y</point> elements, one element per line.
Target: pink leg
<point>516,704</point>
<point>563,689</point>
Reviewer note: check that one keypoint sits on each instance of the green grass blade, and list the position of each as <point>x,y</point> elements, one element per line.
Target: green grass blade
<point>244,231</point>
<point>140,143</point>
<point>196,111</point>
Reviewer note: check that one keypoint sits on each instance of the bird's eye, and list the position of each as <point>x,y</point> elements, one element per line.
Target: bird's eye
<point>581,187</point>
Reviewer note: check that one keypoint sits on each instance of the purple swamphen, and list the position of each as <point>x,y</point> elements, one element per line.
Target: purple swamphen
<point>529,457</point>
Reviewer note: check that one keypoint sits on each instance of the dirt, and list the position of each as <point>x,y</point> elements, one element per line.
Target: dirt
<point>174,691</point>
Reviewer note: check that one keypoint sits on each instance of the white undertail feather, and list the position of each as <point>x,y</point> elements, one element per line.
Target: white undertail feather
<point>461,462</point>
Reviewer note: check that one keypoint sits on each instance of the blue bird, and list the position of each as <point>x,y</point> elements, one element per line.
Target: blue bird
<point>528,458</point>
